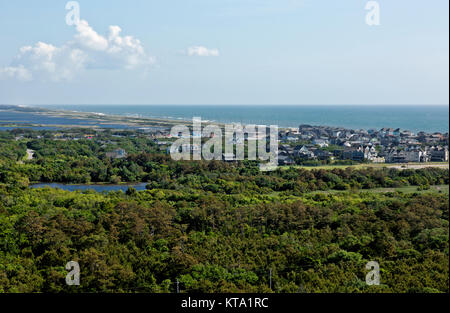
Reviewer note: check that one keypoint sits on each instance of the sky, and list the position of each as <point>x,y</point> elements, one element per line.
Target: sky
<point>224,52</point>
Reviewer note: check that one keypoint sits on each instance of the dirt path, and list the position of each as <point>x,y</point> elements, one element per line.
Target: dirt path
<point>418,166</point>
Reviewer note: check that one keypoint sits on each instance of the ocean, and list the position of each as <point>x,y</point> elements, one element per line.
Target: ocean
<point>429,118</point>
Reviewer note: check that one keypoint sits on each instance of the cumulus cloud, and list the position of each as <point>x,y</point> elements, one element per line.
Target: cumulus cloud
<point>46,61</point>
<point>19,72</point>
<point>87,37</point>
<point>202,51</point>
<point>87,50</point>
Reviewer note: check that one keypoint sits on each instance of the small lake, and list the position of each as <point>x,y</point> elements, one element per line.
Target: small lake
<point>98,188</point>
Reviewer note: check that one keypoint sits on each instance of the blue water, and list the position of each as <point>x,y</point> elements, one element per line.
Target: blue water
<point>427,118</point>
<point>31,118</point>
<point>25,117</point>
<point>98,188</point>
<point>5,128</point>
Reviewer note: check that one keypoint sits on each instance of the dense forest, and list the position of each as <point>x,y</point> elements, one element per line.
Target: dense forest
<point>212,226</point>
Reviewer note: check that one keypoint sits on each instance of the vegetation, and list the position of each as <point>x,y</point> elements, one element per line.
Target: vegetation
<point>213,226</point>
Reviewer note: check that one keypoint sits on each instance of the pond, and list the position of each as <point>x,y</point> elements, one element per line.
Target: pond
<point>98,188</point>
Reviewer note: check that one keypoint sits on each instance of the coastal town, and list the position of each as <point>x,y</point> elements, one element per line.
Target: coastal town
<point>386,145</point>
<point>305,145</point>
<point>312,145</point>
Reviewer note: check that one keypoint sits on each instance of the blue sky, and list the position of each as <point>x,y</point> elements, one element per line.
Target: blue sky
<point>224,52</point>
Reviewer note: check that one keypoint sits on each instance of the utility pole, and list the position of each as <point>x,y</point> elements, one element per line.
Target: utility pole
<point>178,286</point>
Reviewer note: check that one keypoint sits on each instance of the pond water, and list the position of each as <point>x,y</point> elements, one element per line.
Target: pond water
<point>98,188</point>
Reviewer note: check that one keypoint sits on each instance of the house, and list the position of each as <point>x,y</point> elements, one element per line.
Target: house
<point>285,160</point>
<point>389,139</point>
<point>163,143</point>
<point>292,138</point>
<point>427,138</point>
<point>286,150</point>
<point>395,155</point>
<point>336,133</point>
<point>322,155</point>
<point>289,137</point>
<point>303,152</point>
<point>415,155</point>
<point>370,153</point>
<point>294,131</point>
<point>302,128</point>
<point>320,142</point>
<point>353,154</point>
<point>228,157</point>
<point>191,147</point>
<point>306,136</point>
<point>89,136</point>
<point>347,144</point>
<point>439,154</point>
<point>407,133</point>
<point>386,132</point>
<point>378,160</point>
<point>117,154</point>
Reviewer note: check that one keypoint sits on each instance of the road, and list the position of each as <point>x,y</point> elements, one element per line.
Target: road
<point>418,166</point>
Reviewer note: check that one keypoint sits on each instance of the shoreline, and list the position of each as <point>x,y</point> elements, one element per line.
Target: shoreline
<point>106,119</point>
<point>100,119</point>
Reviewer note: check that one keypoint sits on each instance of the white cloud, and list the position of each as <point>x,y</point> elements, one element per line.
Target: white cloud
<point>87,37</point>
<point>202,51</point>
<point>18,72</point>
<point>45,61</point>
<point>87,50</point>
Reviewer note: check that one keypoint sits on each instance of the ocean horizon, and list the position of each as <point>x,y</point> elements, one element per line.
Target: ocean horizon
<point>428,118</point>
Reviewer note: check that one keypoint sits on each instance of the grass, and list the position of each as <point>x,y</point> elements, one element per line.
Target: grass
<point>374,165</point>
<point>409,189</point>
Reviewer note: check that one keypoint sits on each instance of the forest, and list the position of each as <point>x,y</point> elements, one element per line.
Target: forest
<point>210,225</point>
